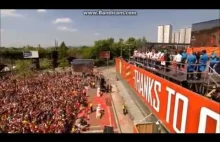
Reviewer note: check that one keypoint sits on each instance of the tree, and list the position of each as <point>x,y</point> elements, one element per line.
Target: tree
<point>144,41</point>
<point>139,43</point>
<point>109,44</point>
<point>64,63</point>
<point>62,51</point>
<point>71,52</point>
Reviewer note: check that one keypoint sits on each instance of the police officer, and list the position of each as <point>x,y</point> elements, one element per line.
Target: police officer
<point>202,63</point>
<point>191,60</point>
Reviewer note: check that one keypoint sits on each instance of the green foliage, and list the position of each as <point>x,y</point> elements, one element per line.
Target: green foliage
<point>116,48</point>
<point>99,62</point>
<point>23,66</point>
<point>45,63</point>
<point>63,63</point>
<point>62,50</point>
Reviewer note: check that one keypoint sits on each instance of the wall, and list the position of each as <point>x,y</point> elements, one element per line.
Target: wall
<point>180,110</point>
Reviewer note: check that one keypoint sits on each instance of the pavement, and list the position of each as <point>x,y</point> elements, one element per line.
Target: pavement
<point>137,109</point>
<point>121,95</point>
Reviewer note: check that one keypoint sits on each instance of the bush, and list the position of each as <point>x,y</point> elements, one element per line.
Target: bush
<point>63,63</point>
<point>23,66</point>
<point>99,62</point>
<point>103,62</point>
<point>45,63</point>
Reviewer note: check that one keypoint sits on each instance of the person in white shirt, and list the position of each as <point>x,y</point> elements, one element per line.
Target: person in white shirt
<point>135,53</point>
<point>153,59</point>
<point>156,59</point>
<point>177,59</point>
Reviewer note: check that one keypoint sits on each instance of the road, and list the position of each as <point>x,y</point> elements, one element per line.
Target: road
<point>137,109</point>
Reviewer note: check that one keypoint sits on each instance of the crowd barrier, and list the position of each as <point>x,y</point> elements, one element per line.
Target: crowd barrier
<point>155,66</point>
<point>180,110</point>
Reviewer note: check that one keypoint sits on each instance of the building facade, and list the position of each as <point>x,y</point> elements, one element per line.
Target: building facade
<point>176,37</point>
<point>160,34</point>
<point>167,33</point>
<point>164,34</point>
<point>188,35</point>
<point>182,35</point>
<point>173,38</point>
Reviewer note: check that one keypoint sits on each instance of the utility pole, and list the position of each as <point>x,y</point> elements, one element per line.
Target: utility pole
<point>121,51</point>
<point>55,43</point>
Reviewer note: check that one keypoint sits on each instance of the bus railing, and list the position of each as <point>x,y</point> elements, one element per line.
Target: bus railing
<point>155,65</point>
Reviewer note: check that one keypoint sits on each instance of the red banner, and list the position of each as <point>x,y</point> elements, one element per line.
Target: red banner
<point>209,50</point>
<point>104,54</point>
<point>180,110</point>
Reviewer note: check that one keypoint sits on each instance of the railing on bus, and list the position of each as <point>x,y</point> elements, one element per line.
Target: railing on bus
<point>209,76</point>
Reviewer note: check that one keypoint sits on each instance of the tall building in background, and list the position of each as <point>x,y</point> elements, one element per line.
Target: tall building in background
<point>188,35</point>
<point>173,38</point>
<point>167,31</point>
<point>176,37</point>
<point>160,34</point>
<point>182,35</point>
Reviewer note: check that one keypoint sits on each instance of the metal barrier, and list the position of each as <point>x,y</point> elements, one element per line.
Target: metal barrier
<point>202,84</point>
<point>213,77</point>
<point>155,65</point>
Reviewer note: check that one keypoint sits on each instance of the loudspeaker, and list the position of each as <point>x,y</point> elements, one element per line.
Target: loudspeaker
<point>108,129</point>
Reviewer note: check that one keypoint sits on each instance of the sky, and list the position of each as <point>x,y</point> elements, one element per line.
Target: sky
<point>33,27</point>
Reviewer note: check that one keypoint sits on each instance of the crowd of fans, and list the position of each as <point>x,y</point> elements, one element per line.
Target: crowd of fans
<point>195,62</point>
<point>45,103</point>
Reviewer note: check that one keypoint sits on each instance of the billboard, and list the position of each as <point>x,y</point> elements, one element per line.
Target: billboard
<point>209,50</point>
<point>104,54</point>
<point>30,54</point>
<point>179,110</point>
<point>206,34</point>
